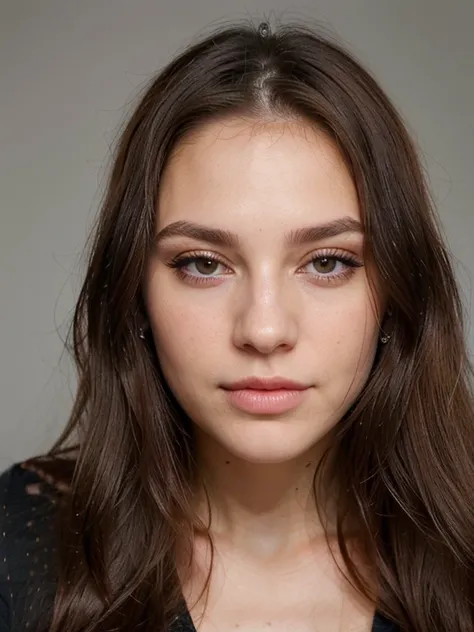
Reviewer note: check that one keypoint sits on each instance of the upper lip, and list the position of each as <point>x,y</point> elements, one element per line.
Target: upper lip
<point>265,384</point>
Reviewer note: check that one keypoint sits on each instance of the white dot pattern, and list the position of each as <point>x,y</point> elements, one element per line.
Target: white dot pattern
<point>27,550</point>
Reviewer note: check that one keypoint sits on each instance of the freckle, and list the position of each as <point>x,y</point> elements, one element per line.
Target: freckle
<point>296,489</point>
<point>227,462</point>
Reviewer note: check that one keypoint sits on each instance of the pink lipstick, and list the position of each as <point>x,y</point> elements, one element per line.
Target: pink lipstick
<point>265,396</point>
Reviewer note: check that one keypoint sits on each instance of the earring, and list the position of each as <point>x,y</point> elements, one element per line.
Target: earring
<point>385,338</point>
<point>264,29</point>
<point>141,333</point>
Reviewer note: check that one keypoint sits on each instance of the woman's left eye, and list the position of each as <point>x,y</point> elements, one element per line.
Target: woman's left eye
<point>331,266</point>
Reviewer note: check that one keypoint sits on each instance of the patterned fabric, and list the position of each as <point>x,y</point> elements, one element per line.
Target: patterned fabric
<point>27,552</point>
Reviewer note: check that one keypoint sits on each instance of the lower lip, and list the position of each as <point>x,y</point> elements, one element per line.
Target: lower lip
<point>266,402</point>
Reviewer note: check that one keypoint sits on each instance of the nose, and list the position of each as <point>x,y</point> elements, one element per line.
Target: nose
<point>266,319</point>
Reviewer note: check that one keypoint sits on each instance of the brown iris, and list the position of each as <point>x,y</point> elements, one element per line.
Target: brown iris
<point>206,266</point>
<point>324,264</point>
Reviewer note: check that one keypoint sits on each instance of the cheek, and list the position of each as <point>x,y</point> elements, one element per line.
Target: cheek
<point>344,342</point>
<point>186,338</point>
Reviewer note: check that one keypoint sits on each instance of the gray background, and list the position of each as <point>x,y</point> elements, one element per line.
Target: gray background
<point>70,72</point>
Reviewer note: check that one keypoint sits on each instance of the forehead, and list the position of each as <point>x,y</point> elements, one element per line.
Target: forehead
<point>237,170</point>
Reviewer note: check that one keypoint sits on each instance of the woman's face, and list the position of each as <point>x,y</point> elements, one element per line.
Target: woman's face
<point>261,221</point>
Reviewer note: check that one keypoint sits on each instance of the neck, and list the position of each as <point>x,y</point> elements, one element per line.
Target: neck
<point>267,510</point>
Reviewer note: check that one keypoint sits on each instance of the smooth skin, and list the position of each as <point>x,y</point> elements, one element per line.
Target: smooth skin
<point>272,300</point>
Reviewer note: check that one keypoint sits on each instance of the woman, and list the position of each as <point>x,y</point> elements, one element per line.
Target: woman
<point>273,424</point>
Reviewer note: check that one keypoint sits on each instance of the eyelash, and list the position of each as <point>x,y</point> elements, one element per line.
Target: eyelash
<point>181,261</point>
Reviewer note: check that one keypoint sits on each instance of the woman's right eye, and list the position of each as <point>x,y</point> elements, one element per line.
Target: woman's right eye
<point>198,268</point>
<point>203,265</point>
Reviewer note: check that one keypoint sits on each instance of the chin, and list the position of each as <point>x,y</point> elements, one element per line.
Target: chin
<point>268,444</point>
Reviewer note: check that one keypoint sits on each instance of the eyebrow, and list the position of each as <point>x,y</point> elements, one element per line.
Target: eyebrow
<point>224,238</point>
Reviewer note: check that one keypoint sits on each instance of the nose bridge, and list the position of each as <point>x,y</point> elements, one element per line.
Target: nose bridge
<point>266,314</point>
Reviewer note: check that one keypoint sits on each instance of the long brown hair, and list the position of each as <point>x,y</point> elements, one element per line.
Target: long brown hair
<point>404,451</point>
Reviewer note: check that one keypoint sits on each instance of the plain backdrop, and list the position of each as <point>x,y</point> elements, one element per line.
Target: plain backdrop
<point>70,72</point>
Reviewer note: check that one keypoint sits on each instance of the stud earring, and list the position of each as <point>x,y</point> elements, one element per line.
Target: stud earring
<point>385,338</point>
<point>264,29</point>
<point>141,333</point>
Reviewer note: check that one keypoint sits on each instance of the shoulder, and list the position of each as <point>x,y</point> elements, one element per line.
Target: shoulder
<point>27,540</point>
<point>27,515</point>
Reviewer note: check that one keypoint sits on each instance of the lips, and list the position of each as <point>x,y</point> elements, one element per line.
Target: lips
<point>265,396</point>
<point>266,384</point>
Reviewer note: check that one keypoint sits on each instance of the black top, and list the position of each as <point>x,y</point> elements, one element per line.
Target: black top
<point>27,553</point>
